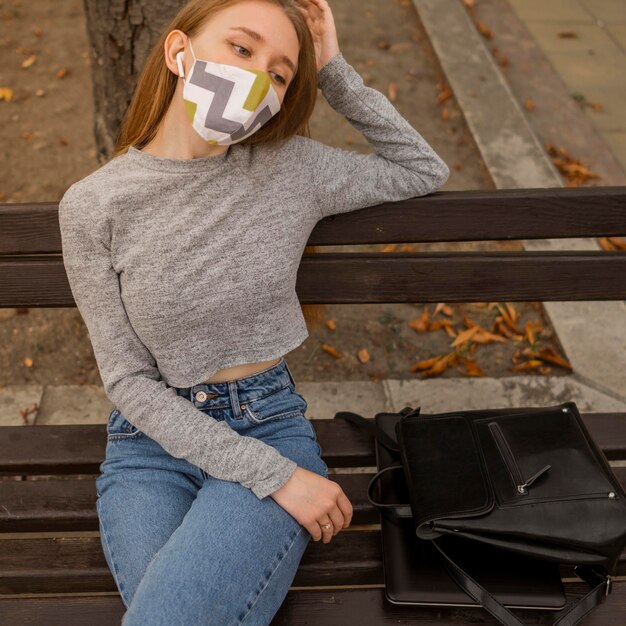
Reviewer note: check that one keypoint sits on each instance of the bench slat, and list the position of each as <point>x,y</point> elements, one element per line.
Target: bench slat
<point>80,448</point>
<point>69,504</point>
<point>466,215</point>
<point>77,564</point>
<point>350,278</point>
<point>335,607</point>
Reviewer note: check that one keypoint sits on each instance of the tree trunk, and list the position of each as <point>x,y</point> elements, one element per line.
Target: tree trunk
<point>121,33</point>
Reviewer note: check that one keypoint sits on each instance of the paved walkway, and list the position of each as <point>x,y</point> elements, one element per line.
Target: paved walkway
<point>591,60</point>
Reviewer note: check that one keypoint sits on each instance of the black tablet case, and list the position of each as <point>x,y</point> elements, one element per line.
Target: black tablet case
<point>414,574</point>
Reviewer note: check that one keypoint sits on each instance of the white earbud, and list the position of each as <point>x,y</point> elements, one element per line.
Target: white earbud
<point>179,60</point>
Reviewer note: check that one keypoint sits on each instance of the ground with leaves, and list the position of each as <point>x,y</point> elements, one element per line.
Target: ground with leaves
<point>46,117</point>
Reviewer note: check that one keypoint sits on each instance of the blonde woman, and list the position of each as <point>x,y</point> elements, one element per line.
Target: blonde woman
<point>182,252</point>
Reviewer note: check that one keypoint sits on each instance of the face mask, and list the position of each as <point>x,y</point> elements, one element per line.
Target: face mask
<point>226,103</point>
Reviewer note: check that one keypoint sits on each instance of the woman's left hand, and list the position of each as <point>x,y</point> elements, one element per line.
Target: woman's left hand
<point>322,26</point>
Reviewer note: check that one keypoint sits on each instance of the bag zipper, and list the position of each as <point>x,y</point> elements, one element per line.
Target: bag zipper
<point>521,485</point>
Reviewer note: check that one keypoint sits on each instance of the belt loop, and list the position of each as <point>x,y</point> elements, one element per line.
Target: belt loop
<point>234,399</point>
<point>293,382</point>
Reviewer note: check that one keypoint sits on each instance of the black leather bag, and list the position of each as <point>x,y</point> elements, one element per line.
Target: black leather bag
<point>530,480</point>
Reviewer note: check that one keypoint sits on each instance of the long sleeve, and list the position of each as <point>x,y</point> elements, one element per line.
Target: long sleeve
<point>129,372</point>
<point>402,166</point>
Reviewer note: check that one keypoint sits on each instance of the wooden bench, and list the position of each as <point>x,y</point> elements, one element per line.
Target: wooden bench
<point>52,569</point>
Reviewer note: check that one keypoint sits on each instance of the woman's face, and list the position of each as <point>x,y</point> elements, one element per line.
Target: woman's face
<point>251,34</point>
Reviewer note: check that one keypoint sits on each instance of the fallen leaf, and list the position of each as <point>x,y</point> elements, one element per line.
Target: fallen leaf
<point>440,366</point>
<point>26,63</point>
<point>471,368</point>
<point>508,321</point>
<point>421,323</point>
<point>423,365</point>
<point>444,308</point>
<point>468,322</point>
<point>392,91</point>
<point>548,354</point>
<point>465,336</point>
<point>6,93</point>
<point>502,328</point>
<point>363,355</point>
<point>444,94</point>
<point>331,324</point>
<point>485,31</point>
<point>484,336</point>
<point>331,350</point>
<point>511,310</point>
<point>451,332</point>
<point>528,365</point>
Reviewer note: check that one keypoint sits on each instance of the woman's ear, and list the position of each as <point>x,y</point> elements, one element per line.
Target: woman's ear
<point>175,40</point>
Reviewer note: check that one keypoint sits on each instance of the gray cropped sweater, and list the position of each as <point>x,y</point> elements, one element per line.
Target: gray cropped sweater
<point>183,267</point>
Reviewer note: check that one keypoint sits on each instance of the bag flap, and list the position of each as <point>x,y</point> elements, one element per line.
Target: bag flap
<point>444,470</point>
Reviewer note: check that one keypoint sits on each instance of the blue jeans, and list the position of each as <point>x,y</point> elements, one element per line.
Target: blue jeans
<point>186,548</point>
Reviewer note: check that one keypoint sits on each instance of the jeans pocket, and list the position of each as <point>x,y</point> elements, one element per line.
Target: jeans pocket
<point>278,405</point>
<point>119,428</point>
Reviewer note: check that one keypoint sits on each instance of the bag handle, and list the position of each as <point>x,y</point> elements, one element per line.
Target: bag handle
<point>393,511</point>
<point>578,610</point>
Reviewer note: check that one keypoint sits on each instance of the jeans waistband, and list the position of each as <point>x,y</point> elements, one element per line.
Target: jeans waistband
<point>232,393</point>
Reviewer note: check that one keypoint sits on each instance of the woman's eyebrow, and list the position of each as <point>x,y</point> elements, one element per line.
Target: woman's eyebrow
<point>259,37</point>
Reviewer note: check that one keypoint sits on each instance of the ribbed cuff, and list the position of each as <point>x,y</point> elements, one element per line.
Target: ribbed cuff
<point>284,471</point>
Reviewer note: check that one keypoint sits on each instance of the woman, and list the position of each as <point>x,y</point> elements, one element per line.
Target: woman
<point>182,253</point>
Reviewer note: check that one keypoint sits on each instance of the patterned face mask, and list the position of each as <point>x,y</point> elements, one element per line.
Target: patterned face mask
<point>226,103</point>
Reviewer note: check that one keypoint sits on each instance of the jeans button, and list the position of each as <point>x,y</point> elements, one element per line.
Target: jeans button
<point>201,396</point>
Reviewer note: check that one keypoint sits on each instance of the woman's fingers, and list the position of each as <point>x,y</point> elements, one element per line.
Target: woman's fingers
<point>346,508</point>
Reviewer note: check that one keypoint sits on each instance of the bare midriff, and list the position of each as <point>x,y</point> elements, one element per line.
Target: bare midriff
<point>240,371</point>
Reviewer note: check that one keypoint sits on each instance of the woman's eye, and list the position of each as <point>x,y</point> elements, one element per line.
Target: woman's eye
<point>242,48</point>
<point>281,80</point>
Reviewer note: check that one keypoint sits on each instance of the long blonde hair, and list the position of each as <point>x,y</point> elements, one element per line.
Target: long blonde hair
<point>157,83</point>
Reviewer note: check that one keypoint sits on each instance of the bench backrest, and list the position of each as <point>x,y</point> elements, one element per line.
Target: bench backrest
<point>32,272</point>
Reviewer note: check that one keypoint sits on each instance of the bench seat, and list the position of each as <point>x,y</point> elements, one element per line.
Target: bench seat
<point>47,515</point>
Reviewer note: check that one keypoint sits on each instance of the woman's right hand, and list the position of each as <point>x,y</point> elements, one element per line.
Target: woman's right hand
<point>314,500</point>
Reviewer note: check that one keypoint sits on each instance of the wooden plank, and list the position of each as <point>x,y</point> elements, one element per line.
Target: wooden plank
<point>352,277</point>
<point>467,215</point>
<point>77,564</point>
<point>79,449</point>
<point>328,607</point>
<point>69,504</point>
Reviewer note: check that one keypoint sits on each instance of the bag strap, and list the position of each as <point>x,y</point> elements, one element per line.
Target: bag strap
<point>578,610</point>
<point>389,442</point>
